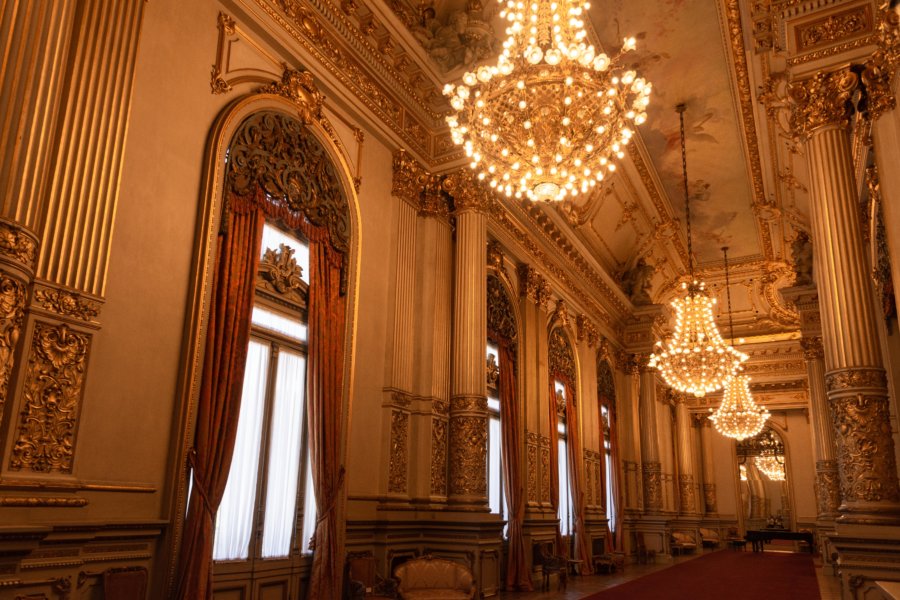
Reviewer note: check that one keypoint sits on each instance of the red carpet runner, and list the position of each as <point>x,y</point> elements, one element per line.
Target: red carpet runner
<point>726,574</point>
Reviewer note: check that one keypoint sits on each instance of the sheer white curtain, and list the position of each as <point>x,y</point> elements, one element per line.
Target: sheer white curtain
<point>309,510</point>
<point>234,520</point>
<point>565,502</point>
<point>286,433</point>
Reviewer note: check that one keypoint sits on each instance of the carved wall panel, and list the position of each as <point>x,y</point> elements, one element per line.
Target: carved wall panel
<point>562,359</point>
<point>531,453</point>
<point>545,469</point>
<point>501,320</point>
<point>709,498</point>
<point>12,315</point>
<point>438,457</point>
<point>652,475</point>
<point>51,400</point>
<point>687,497</point>
<point>468,449</point>
<point>399,452</point>
<point>828,487</point>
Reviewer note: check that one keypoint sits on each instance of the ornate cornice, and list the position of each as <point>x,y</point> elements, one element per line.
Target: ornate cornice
<point>822,100</point>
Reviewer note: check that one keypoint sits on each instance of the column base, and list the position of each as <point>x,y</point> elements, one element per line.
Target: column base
<point>869,513</point>
<point>865,555</point>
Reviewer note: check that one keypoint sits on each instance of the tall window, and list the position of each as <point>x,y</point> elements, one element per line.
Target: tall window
<point>269,495</point>
<point>565,496</point>
<point>610,467</point>
<point>496,491</point>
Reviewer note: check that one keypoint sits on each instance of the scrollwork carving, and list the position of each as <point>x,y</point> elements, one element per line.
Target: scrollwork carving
<point>434,199</point>
<point>823,99</point>
<point>277,154</point>
<point>848,379</point>
<point>865,449</point>
<point>467,192</point>
<point>54,381</point>
<point>399,452</point>
<point>812,347</point>
<point>16,244</point>
<point>533,285</point>
<point>280,270</point>
<point>531,453</point>
<point>828,487</point>
<point>468,454</point>
<point>834,28</point>
<point>652,477</point>
<point>562,359</point>
<point>66,303</point>
<point>12,316</point>
<point>686,493</point>
<point>409,177</point>
<point>438,457</point>
<point>606,382</point>
<point>300,88</point>
<point>545,469</point>
<point>501,320</point>
<point>586,330</point>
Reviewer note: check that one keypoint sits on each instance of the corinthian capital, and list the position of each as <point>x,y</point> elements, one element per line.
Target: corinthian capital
<point>467,192</point>
<point>882,67</point>
<point>822,100</point>
<point>409,178</point>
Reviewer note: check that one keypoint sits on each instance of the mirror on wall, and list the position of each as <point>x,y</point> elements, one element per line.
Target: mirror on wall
<point>764,491</point>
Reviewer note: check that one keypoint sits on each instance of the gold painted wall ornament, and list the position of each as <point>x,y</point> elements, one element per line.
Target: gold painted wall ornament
<point>501,320</point>
<point>17,244</point>
<point>438,457</point>
<point>864,444</point>
<point>586,330</point>
<point>409,178</point>
<point>468,193</point>
<point>277,154</point>
<point>822,100</point>
<point>812,348</point>
<point>300,88</point>
<point>434,202</point>
<point>468,446</point>
<point>652,478</point>
<point>280,269</point>
<point>850,379</point>
<point>531,453</point>
<point>562,359</point>
<point>828,488</point>
<point>399,452</point>
<point>12,316</point>
<point>686,494</point>
<point>834,28</point>
<point>545,468</point>
<point>533,285</point>
<point>67,303</point>
<point>52,392</point>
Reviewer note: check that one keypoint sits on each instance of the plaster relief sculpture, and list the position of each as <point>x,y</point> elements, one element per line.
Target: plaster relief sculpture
<point>636,282</point>
<point>802,254</point>
<point>462,40</point>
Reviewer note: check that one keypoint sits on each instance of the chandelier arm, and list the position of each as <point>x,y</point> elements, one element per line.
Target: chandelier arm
<point>687,198</point>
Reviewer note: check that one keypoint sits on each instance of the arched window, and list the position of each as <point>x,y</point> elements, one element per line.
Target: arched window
<point>562,374</point>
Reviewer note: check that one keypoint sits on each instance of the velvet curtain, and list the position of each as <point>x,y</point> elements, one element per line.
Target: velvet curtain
<point>227,337</point>
<point>617,536</point>
<point>327,311</point>
<point>554,466</point>
<point>573,435</point>
<point>518,576</point>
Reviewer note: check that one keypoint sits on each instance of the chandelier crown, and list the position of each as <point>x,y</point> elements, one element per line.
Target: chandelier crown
<point>550,118</point>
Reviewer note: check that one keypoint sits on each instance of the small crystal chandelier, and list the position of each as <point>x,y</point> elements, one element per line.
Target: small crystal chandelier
<point>695,359</point>
<point>738,416</point>
<point>549,119</point>
<point>771,467</point>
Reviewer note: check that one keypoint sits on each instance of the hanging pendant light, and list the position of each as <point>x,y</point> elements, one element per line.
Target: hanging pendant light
<point>738,416</point>
<point>549,120</point>
<point>695,360</point>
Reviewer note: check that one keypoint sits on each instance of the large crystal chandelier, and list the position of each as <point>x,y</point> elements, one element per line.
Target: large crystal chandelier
<point>550,118</point>
<point>695,359</point>
<point>738,416</point>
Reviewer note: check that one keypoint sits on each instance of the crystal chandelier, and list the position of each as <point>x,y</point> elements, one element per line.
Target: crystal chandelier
<point>738,416</point>
<point>549,119</point>
<point>695,359</point>
<point>771,467</point>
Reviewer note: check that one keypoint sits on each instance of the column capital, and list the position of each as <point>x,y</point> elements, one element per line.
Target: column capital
<point>409,178</point>
<point>881,68</point>
<point>433,201</point>
<point>533,285</point>
<point>467,192</point>
<point>586,330</point>
<point>822,100</point>
<point>812,347</point>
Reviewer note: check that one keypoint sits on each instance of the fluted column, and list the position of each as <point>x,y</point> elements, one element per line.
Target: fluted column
<point>34,37</point>
<point>685,445</point>
<point>710,502</point>
<point>468,385</point>
<point>855,379</point>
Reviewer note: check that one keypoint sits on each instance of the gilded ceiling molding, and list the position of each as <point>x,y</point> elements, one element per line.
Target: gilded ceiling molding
<point>650,185</point>
<point>748,121</point>
<point>822,100</point>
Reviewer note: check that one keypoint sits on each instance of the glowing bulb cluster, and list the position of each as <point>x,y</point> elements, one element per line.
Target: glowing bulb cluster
<point>696,359</point>
<point>550,118</point>
<point>738,416</point>
<point>771,467</point>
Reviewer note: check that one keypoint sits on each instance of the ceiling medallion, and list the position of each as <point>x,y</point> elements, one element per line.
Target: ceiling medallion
<point>695,360</point>
<point>738,416</point>
<point>549,119</point>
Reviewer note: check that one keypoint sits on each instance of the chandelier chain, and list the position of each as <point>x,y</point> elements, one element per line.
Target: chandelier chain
<point>687,197</point>
<point>728,294</point>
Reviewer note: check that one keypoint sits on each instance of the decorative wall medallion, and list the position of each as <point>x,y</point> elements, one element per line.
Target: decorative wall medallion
<point>67,303</point>
<point>501,320</point>
<point>399,452</point>
<point>468,456</point>
<point>709,498</point>
<point>438,457</point>
<point>277,154</point>
<point>865,448</point>
<point>12,315</point>
<point>828,488</point>
<point>17,245</point>
<point>54,384</point>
